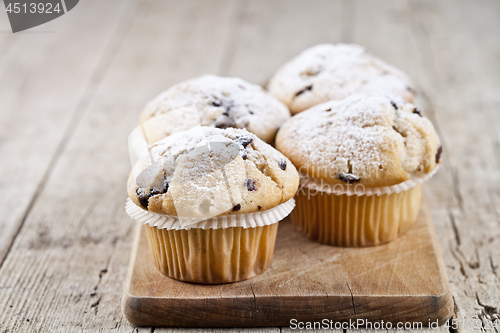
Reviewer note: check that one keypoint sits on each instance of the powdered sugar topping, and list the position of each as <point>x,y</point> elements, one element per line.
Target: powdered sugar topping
<point>222,102</point>
<point>333,72</point>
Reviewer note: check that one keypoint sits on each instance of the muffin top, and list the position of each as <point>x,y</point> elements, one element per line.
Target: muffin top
<point>374,140</point>
<point>206,172</point>
<point>221,102</point>
<point>333,72</point>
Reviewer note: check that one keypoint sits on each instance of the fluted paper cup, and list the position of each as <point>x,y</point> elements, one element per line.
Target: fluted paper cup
<point>221,249</point>
<point>351,216</point>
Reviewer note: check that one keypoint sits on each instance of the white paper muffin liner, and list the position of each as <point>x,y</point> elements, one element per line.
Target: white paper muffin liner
<point>249,220</point>
<point>316,184</point>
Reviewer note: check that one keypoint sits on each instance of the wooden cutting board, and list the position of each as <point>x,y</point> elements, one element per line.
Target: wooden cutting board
<point>400,281</point>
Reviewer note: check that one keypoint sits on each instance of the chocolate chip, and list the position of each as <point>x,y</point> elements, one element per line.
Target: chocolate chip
<point>236,208</point>
<point>145,194</point>
<point>259,207</point>
<point>216,103</point>
<point>282,164</point>
<point>417,111</point>
<point>244,140</point>
<point>327,110</point>
<point>250,184</point>
<point>438,155</point>
<point>243,154</point>
<point>349,178</point>
<point>143,197</point>
<point>308,88</point>
<point>394,105</point>
<point>250,111</point>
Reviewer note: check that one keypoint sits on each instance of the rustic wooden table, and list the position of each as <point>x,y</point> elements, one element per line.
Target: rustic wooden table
<point>71,91</point>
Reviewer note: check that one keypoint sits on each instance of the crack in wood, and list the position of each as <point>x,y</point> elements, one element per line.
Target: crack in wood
<point>454,316</point>
<point>492,265</point>
<point>430,22</point>
<point>352,298</point>
<point>254,301</point>
<point>454,228</point>
<point>102,272</point>
<point>455,255</point>
<point>489,312</point>
<point>95,305</point>
<point>426,32</point>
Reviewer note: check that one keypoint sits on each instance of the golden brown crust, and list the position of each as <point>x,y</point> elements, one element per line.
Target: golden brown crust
<point>261,180</point>
<point>372,140</point>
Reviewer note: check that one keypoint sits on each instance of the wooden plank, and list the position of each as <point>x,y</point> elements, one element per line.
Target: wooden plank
<point>409,330</point>
<point>43,89</point>
<point>451,50</point>
<point>208,330</point>
<point>6,35</point>
<point>458,56</point>
<point>289,330</point>
<point>66,268</point>
<point>269,33</point>
<point>397,282</point>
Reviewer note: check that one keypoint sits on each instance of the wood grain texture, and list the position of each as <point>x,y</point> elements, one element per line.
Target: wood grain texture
<point>462,97</point>
<point>66,268</point>
<point>450,51</point>
<point>397,282</point>
<point>43,97</point>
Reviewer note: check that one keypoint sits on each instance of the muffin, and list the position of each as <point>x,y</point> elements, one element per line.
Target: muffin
<point>362,161</point>
<point>333,72</point>
<point>211,203</point>
<point>220,102</point>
